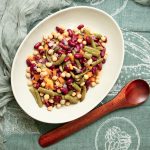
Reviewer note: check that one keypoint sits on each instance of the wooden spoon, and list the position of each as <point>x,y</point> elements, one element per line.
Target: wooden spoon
<point>133,94</point>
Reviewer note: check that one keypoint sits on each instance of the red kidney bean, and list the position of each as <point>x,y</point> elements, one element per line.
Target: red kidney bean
<point>63,46</point>
<point>94,69</point>
<point>28,62</point>
<point>66,68</point>
<point>99,66</point>
<point>36,46</point>
<point>102,54</point>
<point>64,90</point>
<point>80,26</point>
<point>104,60</point>
<point>69,81</point>
<point>81,45</point>
<point>64,41</point>
<point>52,67</point>
<point>70,87</point>
<point>41,52</point>
<point>78,47</point>
<point>78,55</point>
<point>59,73</point>
<point>88,40</point>
<point>96,40</point>
<point>66,59</point>
<point>40,81</point>
<point>74,38</point>
<point>70,32</point>
<point>61,52</point>
<point>94,58</point>
<point>83,69</point>
<point>47,104</point>
<point>69,51</point>
<point>60,30</point>
<point>36,57</point>
<point>87,83</point>
<point>57,98</point>
<point>37,85</point>
<point>71,43</point>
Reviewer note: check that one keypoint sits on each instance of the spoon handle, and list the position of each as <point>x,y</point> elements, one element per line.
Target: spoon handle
<point>75,125</point>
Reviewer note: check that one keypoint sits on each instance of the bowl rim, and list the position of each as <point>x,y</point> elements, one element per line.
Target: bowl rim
<point>41,22</point>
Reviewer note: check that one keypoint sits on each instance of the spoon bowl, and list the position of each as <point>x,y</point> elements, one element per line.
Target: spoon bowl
<point>137,92</point>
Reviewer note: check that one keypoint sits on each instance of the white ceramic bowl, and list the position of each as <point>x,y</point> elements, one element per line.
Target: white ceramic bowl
<point>98,21</point>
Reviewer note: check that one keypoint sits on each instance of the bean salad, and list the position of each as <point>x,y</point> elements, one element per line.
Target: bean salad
<point>64,65</point>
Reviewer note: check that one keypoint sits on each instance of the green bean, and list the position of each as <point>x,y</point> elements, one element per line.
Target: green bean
<point>83,93</point>
<point>97,62</point>
<point>92,51</point>
<point>87,55</point>
<point>81,74</point>
<point>56,49</point>
<point>99,48</point>
<point>32,90</point>
<point>48,57</point>
<point>78,63</point>
<point>70,92</point>
<point>93,43</point>
<point>45,91</point>
<point>60,60</point>
<point>38,98</point>
<point>87,31</point>
<point>75,86</point>
<point>97,35</point>
<point>72,74</point>
<point>72,100</point>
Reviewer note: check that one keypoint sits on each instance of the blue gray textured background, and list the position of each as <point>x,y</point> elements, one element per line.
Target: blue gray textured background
<point>19,131</point>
